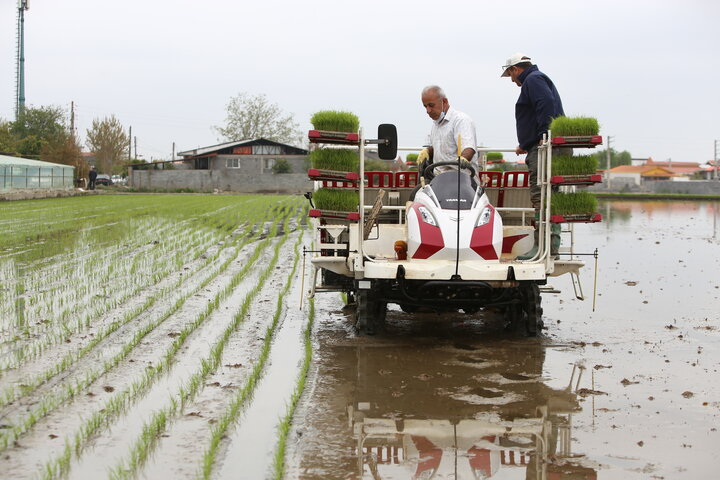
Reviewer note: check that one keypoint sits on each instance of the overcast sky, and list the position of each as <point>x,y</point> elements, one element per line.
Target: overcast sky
<point>647,70</point>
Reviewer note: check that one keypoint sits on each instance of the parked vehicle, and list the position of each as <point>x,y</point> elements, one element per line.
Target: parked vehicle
<point>103,179</point>
<point>118,180</point>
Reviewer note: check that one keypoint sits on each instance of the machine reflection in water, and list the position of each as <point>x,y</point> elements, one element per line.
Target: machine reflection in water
<point>487,414</point>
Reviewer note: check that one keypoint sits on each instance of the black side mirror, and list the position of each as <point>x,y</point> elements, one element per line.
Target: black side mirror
<point>387,141</point>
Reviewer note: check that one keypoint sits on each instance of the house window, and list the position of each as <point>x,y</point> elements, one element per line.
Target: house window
<point>232,163</point>
<point>266,150</point>
<point>268,163</point>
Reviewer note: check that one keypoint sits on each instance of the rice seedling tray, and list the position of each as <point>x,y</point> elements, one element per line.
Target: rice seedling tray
<point>326,136</point>
<point>576,179</point>
<point>322,174</point>
<point>576,218</point>
<point>336,214</point>
<point>587,141</point>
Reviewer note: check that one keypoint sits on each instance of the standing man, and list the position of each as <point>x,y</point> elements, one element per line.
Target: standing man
<point>539,102</point>
<point>448,124</point>
<point>92,176</point>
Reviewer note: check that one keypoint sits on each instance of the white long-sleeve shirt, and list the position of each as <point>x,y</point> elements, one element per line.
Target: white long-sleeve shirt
<point>444,136</point>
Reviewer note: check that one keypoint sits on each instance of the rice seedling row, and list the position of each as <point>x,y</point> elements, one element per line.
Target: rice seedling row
<point>67,390</point>
<point>286,422</point>
<point>152,430</point>
<point>119,404</point>
<point>209,236</point>
<point>47,403</point>
<point>128,285</point>
<point>161,291</point>
<point>245,393</point>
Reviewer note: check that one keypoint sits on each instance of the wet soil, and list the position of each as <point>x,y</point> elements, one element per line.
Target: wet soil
<point>626,391</point>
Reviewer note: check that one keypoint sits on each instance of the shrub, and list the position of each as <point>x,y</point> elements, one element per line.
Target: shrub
<point>341,159</point>
<point>574,165</point>
<point>281,166</point>
<point>494,156</point>
<point>336,199</point>
<point>574,126</point>
<point>411,158</point>
<point>336,121</point>
<point>573,203</point>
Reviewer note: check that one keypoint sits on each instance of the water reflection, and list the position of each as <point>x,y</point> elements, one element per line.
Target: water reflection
<point>455,410</point>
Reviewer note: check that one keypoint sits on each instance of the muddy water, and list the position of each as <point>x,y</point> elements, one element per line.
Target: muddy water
<point>627,391</point>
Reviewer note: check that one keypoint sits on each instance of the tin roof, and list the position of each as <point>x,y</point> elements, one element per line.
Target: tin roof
<point>27,162</point>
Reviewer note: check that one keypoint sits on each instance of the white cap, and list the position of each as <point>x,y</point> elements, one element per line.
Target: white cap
<point>514,59</point>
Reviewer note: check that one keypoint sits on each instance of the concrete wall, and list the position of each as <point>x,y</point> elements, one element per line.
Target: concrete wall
<point>229,180</point>
<point>255,164</point>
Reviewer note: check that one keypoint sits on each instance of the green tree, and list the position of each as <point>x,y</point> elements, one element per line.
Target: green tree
<point>108,141</point>
<point>616,158</point>
<point>37,128</point>
<point>8,140</point>
<point>249,117</point>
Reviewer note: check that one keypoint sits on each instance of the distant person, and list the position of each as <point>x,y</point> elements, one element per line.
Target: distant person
<point>539,102</point>
<point>92,176</point>
<point>448,124</point>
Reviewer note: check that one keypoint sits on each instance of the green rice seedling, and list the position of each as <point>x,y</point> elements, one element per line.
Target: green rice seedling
<point>574,126</point>
<point>285,423</point>
<point>52,401</point>
<point>339,159</point>
<point>335,121</point>
<point>574,165</point>
<point>573,203</point>
<point>115,406</point>
<point>336,199</point>
<point>232,413</point>
<point>494,156</point>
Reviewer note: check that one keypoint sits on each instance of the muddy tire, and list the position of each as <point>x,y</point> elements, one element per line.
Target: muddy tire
<point>532,310</point>
<point>370,313</point>
<point>513,315</point>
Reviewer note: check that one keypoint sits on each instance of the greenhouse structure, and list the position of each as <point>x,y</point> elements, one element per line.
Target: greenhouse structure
<point>24,174</point>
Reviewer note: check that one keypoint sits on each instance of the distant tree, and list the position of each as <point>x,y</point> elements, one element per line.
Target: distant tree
<point>107,139</point>
<point>8,140</point>
<point>616,158</point>
<point>36,128</point>
<point>250,117</point>
<point>66,151</point>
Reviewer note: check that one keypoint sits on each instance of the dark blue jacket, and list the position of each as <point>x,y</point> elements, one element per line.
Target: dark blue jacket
<point>538,104</point>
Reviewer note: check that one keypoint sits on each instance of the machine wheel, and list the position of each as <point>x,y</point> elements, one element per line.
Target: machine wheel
<point>513,314</point>
<point>532,309</point>
<point>370,313</point>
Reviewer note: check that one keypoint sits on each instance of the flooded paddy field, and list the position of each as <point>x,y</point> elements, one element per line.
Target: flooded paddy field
<point>162,337</point>
<point>137,331</point>
<point>628,391</point>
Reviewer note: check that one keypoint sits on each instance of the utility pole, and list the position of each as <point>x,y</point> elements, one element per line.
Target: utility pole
<point>607,157</point>
<point>20,75</point>
<point>130,144</point>
<point>173,152</point>
<point>136,147</point>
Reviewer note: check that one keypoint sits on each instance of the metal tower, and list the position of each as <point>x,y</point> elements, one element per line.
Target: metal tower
<point>20,75</point>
